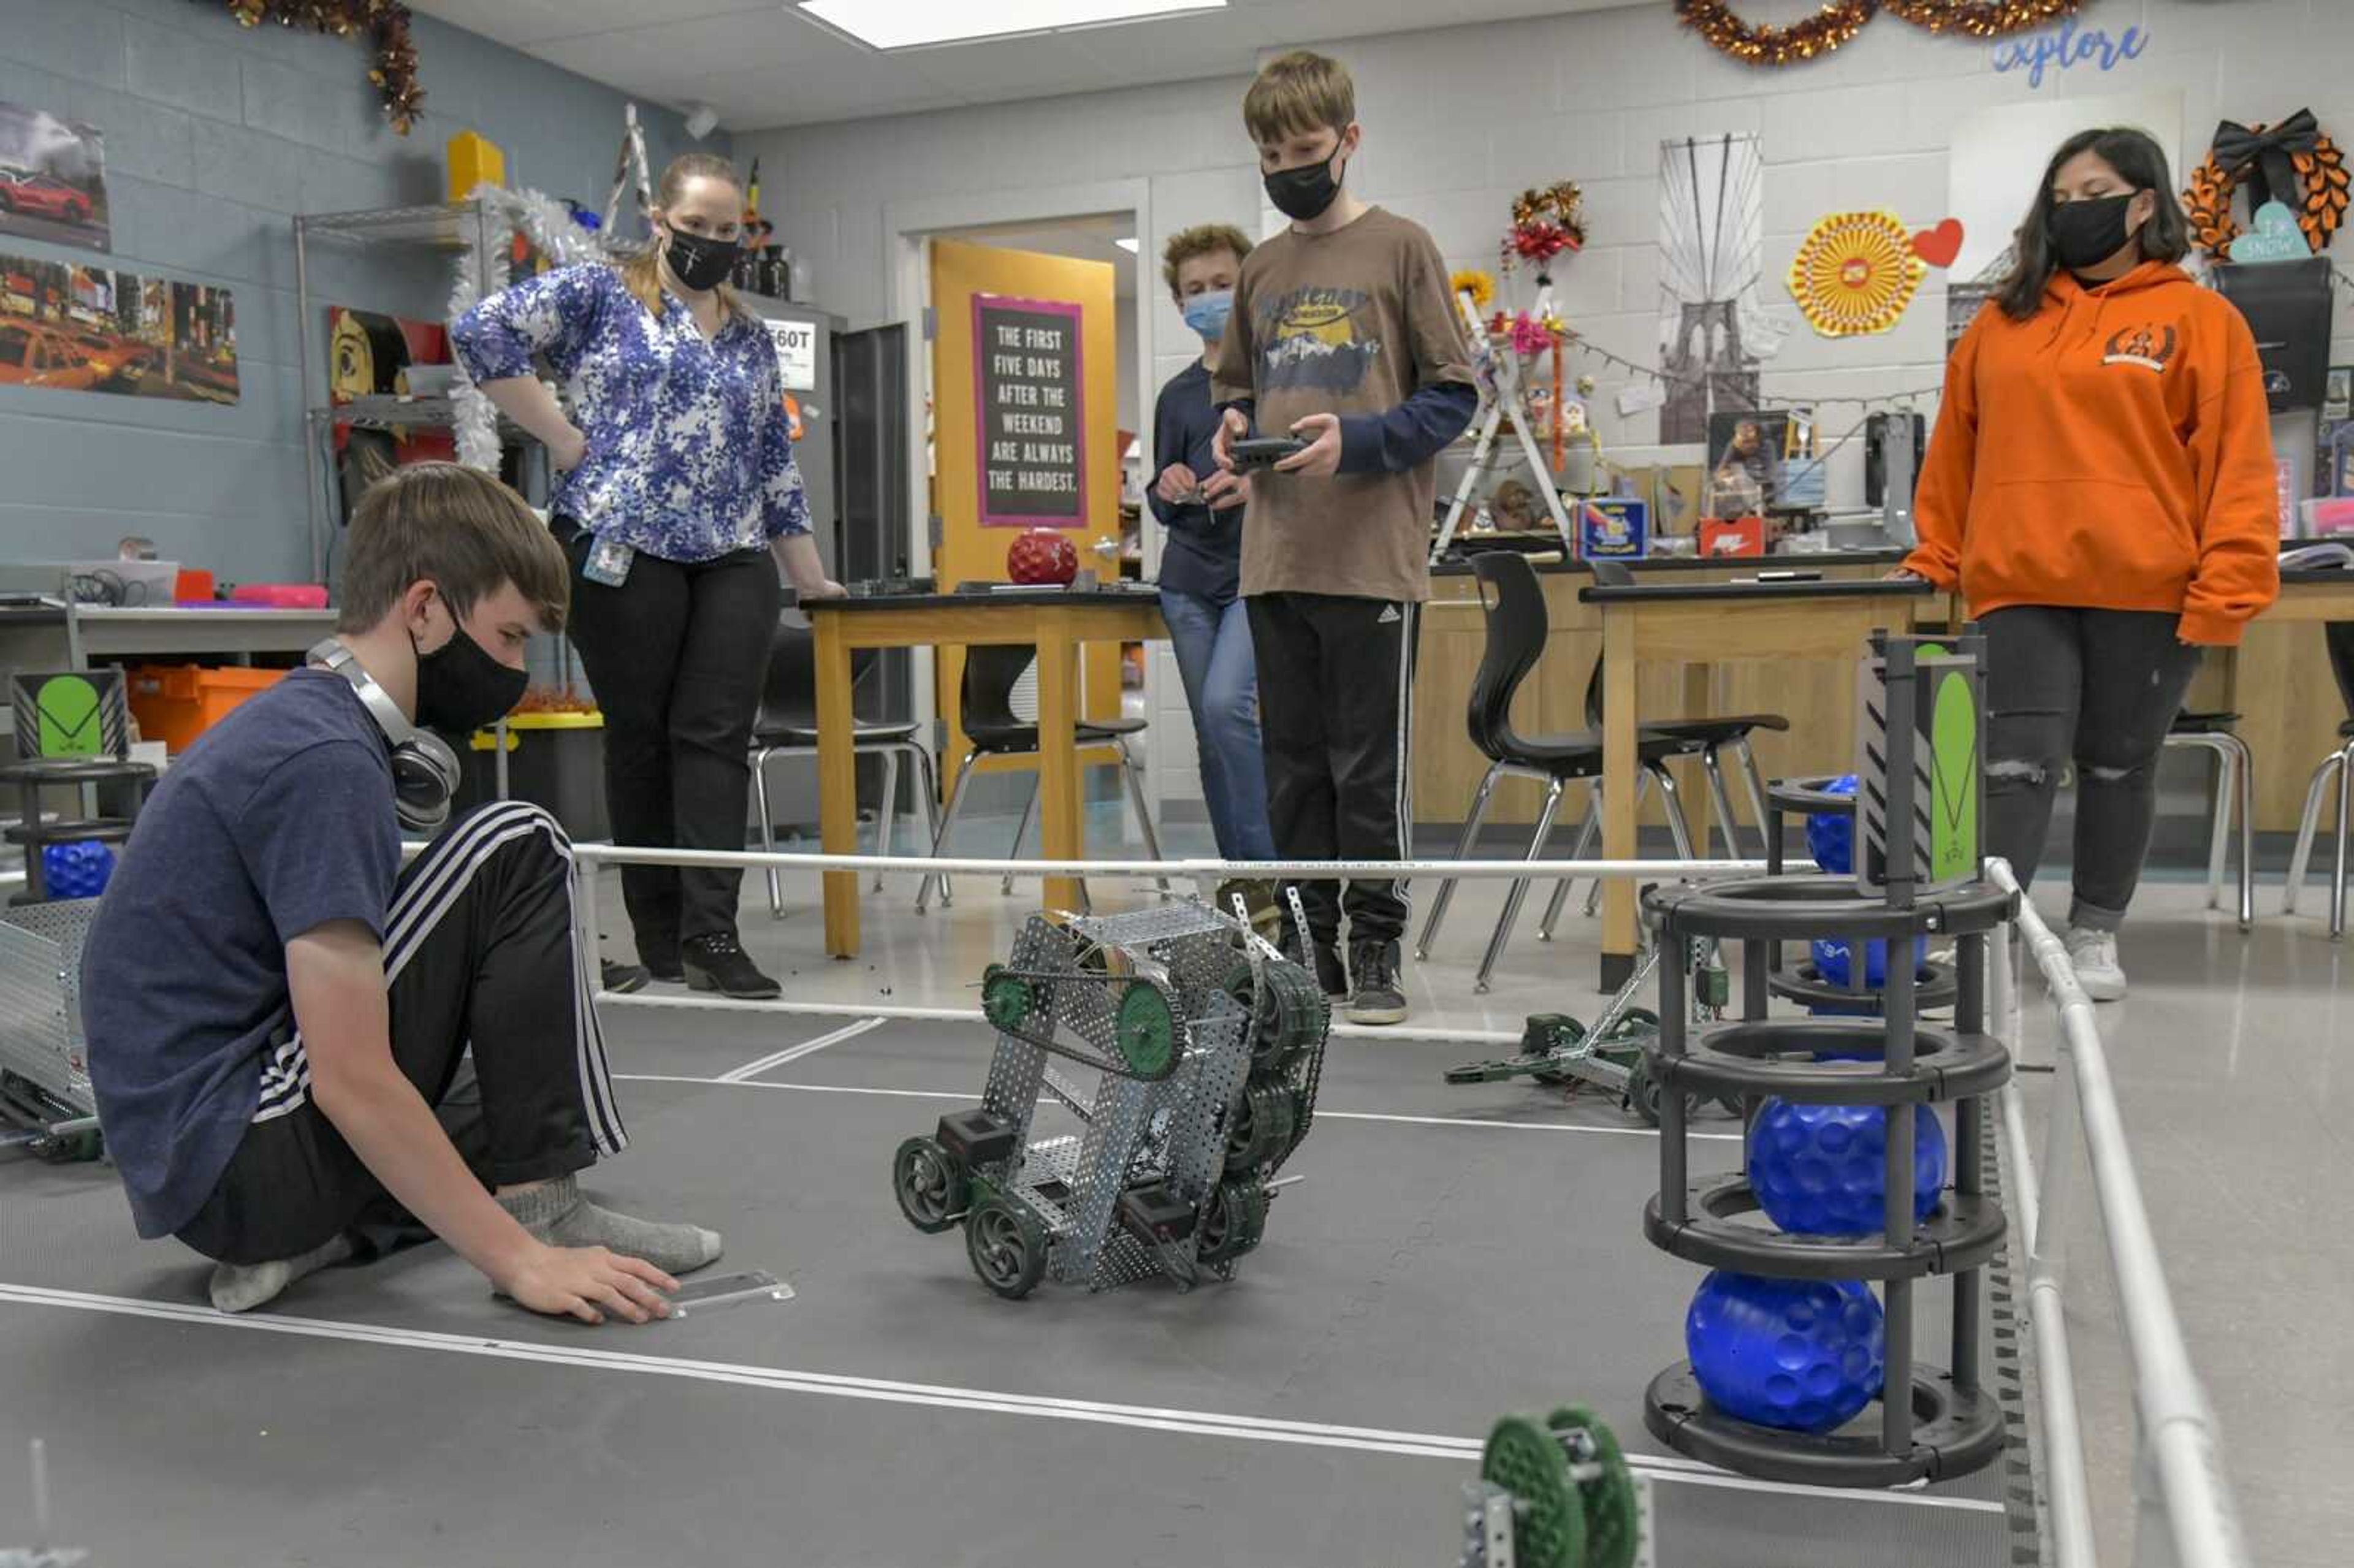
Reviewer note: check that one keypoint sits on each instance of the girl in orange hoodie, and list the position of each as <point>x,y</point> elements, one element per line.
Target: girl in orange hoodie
<point>2100,489</point>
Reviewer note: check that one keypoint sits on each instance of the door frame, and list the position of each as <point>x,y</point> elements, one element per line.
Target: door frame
<point>909,227</point>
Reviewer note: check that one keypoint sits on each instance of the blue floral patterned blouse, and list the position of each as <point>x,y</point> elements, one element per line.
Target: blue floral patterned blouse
<point>689,454</point>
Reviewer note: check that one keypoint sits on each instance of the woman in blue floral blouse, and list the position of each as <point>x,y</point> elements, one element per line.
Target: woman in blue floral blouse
<point>678,486</point>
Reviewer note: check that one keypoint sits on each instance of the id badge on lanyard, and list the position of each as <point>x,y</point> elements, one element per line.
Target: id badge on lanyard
<point>608,563</point>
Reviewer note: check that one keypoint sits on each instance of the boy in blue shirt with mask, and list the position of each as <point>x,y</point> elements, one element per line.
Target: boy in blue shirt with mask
<point>1201,563</point>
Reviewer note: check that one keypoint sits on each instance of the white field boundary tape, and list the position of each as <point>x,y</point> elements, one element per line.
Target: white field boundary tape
<point>795,1053</point>
<point>1199,1424</point>
<point>734,1081</point>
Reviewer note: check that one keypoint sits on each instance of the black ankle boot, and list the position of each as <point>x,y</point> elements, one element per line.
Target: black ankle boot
<point>719,963</point>
<point>1321,959</point>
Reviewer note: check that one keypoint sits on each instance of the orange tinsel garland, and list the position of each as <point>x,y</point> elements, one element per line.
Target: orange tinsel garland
<point>1835,23</point>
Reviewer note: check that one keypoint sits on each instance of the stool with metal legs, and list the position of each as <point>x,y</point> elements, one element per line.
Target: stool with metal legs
<point>985,706</point>
<point>2234,794</point>
<point>2338,766</point>
<point>787,727</point>
<point>1516,625</point>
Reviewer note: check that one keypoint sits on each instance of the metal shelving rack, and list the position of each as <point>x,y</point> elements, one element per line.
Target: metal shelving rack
<point>455,227</point>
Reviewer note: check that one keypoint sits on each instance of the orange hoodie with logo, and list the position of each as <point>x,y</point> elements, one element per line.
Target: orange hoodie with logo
<point>2113,452</point>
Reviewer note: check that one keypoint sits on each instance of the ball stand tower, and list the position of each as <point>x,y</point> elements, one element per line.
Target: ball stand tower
<point>1920,745</point>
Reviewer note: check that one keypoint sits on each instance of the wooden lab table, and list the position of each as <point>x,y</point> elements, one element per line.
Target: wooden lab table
<point>1055,621</point>
<point>1699,626</point>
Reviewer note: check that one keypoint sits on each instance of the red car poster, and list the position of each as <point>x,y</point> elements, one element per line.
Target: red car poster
<point>52,178</point>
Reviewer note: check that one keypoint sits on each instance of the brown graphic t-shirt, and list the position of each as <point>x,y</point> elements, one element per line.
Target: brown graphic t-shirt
<point>1353,322</point>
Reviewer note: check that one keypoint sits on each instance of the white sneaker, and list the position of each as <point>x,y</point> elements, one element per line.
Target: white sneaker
<point>2094,955</point>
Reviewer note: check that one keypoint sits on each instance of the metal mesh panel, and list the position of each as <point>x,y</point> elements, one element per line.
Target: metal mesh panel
<point>40,998</point>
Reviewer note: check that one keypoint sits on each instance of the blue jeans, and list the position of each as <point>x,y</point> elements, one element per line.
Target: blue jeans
<point>1213,644</point>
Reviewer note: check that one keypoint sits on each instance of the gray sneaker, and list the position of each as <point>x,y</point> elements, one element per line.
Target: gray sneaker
<point>1377,995</point>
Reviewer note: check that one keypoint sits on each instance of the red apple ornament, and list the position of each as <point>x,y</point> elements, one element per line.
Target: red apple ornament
<point>1041,557</point>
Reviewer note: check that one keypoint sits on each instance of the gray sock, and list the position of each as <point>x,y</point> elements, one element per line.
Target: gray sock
<point>242,1287</point>
<point>557,1213</point>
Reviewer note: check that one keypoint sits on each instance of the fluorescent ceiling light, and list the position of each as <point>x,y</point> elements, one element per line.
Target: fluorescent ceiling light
<point>915,24</point>
<point>1127,243</point>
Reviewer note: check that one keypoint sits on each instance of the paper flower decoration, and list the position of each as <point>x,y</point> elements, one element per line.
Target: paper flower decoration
<point>1471,280</point>
<point>1533,334</point>
<point>1856,273</point>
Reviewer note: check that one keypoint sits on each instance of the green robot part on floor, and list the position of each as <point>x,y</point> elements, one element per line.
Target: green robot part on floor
<point>1555,1493</point>
<point>1558,1051</point>
<point>1206,1048</point>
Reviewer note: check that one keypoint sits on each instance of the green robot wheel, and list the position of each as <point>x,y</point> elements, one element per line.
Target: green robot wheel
<point>1613,1515</point>
<point>1006,1241</point>
<point>1549,1032</point>
<point>1645,1094</point>
<point>1260,1127</point>
<point>1006,1000</point>
<point>1526,1459</point>
<point>1146,1030</point>
<point>1634,1026</point>
<point>1232,1221</point>
<point>929,1183</point>
<point>1289,1012</point>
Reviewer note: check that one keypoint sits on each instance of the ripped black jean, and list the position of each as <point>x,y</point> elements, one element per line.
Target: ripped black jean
<point>2098,688</point>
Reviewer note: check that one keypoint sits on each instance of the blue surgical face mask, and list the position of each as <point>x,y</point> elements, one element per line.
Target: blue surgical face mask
<point>1207,313</point>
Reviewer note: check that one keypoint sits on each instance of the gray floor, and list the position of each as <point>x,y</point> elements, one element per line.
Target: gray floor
<point>1454,1253</point>
<point>1430,1273</point>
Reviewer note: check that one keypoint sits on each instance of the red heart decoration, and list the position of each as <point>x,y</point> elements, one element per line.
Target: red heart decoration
<point>1939,246</point>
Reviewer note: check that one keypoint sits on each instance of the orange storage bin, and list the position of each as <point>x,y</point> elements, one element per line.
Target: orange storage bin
<point>176,703</point>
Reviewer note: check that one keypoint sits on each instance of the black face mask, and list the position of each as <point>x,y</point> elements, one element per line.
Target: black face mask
<point>2087,233</point>
<point>700,263</point>
<point>462,689</point>
<point>1302,193</point>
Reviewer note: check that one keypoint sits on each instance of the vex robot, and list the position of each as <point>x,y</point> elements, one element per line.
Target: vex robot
<point>1187,1051</point>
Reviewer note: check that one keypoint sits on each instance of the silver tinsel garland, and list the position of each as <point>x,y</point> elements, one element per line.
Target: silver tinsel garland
<point>550,226</point>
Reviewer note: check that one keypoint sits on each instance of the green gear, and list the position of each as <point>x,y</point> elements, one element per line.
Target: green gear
<point>929,1182</point>
<point>1006,1000</point>
<point>1006,1241</point>
<point>1260,1126</point>
<point>1613,1515</point>
<point>1146,1030</point>
<point>1526,1459</point>
<point>1232,1221</point>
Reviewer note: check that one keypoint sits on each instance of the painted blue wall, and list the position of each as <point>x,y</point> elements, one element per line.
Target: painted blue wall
<point>216,135</point>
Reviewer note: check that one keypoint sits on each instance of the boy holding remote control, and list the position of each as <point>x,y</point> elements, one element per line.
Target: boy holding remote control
<point>1345,340</point>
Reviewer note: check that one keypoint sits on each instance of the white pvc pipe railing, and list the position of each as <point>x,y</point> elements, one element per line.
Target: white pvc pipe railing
<point>2190,1516</point>
<point>2187,1514</point>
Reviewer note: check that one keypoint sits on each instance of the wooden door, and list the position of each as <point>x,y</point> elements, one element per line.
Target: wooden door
<point>1024,362</point>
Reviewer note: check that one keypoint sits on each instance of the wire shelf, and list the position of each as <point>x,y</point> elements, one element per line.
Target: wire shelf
<point>449,225</point>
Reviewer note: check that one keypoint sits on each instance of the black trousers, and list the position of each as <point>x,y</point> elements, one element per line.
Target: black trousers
<point>1336,706</point>
<point>678,655</point>
<point>480,949</point>
<point>2098,688</point>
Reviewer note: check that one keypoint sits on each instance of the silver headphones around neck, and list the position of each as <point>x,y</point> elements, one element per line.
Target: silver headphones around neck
<point>425,770</point>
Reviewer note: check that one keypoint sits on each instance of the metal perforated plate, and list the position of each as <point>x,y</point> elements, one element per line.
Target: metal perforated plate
<point>40,998</point>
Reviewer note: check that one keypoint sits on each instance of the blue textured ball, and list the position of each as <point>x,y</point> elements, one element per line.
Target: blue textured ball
<point>1821,1171</point>
<point>1831,838</point>
<point>1806,1355</point>
<point>1831,958</point>
<point>77,870</point>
